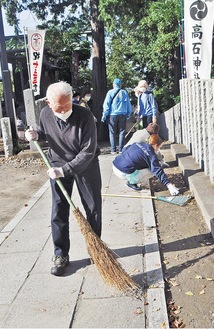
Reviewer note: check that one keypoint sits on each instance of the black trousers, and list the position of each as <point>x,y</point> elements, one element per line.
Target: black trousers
<point>146,120</point>
<point>89,187</point>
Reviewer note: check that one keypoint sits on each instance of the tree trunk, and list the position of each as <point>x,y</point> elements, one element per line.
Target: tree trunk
<point>98,69</point>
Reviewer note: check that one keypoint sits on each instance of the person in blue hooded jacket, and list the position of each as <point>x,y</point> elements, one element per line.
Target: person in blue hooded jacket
<point>138,162</point>
<point>147,109</point>
<point>116,111</point>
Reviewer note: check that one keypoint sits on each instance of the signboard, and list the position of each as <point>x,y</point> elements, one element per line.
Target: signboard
<point>35,47</point>
<point>198,34</point>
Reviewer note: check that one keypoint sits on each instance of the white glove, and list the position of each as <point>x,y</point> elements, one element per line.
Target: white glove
<point>55,172</point>
<point>164,164</point>
<point>31,135</point>
<point>172,189</point>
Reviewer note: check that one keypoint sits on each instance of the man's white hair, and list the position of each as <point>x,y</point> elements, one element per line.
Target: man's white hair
<point>59,88</point>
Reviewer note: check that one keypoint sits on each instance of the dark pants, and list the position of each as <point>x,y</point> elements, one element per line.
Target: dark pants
<point>117,123</point>
<point>146,120</point>
<point>89,187</point>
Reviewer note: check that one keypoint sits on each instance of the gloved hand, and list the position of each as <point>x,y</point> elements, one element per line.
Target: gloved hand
<point>172,189</point>
<point>55,172</point>
<point>31,134</point>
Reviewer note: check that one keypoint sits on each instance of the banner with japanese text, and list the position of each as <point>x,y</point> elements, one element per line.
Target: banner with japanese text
<point>198,34</point>
<point>35,48</point>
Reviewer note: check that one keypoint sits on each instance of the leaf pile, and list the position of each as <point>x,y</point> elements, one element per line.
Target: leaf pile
<point>173,314</point>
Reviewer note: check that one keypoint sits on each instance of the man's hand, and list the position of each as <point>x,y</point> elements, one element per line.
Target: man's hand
<point>55,172</point>
<point>31,135</point>
<point>154,119</point>
<point>103,119</point>
<point>172,189</point>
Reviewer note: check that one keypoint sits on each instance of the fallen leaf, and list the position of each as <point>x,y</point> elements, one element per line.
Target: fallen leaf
<point>209,279</point>
<point>138,311</point>
<point>198,276</point>
<point>177,311</point>
<point>163,325</point>
<point>189,293</point>
<point>202,292</point>
<point>174,283</point>
<point>135,270</point>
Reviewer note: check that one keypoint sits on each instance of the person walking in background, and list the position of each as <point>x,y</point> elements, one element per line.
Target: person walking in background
<point>73,153</point>
<point>138,162</point>
<point>147,111</point>
<point>116,111</point>
<point>76,97</point>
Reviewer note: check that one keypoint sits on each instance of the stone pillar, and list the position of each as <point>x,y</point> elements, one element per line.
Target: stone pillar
<point>197,121</point>
<point>210,116</point>
<point>30,112</point>
<point>7,136</point>
<point>185,112</point>
<point>205,152</point>
<point>177,123</point>
<point>190,115</point>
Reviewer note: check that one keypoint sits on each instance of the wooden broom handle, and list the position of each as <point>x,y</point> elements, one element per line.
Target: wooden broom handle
<point>130,196</point>
<point>61,186</point>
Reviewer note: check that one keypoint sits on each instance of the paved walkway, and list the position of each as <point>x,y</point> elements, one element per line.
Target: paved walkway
<point>33,298</point>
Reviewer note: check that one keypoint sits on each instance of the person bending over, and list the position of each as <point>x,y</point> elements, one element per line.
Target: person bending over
<point>142,135</point>
<point>138,162</point>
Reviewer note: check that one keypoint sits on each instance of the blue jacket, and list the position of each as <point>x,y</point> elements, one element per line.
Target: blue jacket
<point>147,104</point>
<point>140,156</point>
<point>120,105</point>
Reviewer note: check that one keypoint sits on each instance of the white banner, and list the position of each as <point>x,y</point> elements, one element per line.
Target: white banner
<point>198,33</point>
<point>36,40</point>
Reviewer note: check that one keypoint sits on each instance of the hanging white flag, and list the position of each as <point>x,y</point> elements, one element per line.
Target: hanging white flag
<point>35,47</point>
<point>198,33</point>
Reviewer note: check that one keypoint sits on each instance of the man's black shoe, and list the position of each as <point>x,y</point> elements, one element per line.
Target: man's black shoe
<point>134,186</point>
<point>59,265</point>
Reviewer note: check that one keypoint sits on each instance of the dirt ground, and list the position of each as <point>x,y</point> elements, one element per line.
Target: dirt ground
<point>187,253</point>
<point>20,179</point>
<point>186,245</point>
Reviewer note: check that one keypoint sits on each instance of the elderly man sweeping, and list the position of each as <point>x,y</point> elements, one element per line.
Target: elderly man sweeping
<point>73,153</point>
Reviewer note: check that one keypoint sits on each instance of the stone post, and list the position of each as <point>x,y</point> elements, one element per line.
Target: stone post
<point>205,152</point>
<point>210,115</point>
<point>30,112</point>
<point>7,137</point>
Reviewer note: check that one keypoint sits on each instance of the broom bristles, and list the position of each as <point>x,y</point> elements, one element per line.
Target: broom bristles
<point>107,265</point>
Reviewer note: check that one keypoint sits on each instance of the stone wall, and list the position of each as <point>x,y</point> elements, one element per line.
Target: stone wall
<point>192,122</point>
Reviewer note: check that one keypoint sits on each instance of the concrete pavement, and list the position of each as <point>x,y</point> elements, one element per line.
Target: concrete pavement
<point>33,298</point>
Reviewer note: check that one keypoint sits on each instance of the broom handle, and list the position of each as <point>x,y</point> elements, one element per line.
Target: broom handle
<point>61,186</point>
<point>131,196</point>
<point>131,129</point>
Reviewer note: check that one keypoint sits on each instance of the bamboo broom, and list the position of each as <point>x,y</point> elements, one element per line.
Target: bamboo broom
<point>107,265</point>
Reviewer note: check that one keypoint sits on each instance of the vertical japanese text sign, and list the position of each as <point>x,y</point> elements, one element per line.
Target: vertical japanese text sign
<point>198,33</point>
<point>36,48</point>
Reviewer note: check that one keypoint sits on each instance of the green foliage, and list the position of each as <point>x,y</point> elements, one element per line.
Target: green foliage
<point>142,36</point>
<point>1,90</point>
<point>143,41</point>
<point>65,33</point>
